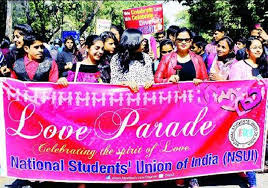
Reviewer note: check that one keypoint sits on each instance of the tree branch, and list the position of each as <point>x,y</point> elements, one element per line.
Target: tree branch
<point>27,12</point>
<point>90,17</point>
<point>42,20</point>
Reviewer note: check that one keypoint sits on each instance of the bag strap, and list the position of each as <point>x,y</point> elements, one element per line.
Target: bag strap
<point>76,70</point>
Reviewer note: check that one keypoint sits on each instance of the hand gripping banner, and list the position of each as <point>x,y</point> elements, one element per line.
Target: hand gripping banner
<point>106,133</point>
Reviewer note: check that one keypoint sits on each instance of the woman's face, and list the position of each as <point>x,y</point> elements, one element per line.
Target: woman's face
<point>69,44</point>
<point>183,41</point>
<point>196,49</point>
<point>82,41</point>
<point>240,45</point>
<point>18,39</point>
<point>255,50</point>
<point>166,49</point>
<point>223,48</point>
<point>141,48</point>
<point>116,33</point>
<point>109,45</point>
<point>218,35</point>
<point>143,45</point>
<point>96,51</point>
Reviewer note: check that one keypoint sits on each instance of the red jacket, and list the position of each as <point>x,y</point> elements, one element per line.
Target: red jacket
<point>166,67</point>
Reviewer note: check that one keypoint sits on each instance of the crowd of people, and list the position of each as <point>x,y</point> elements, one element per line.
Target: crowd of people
<point>126,57</point>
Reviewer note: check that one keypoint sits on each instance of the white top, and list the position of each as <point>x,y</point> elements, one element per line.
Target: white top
<point>223,69</point>
<point>137,71</point>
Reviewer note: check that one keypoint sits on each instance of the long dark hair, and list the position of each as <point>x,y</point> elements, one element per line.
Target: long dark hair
<point>103,65</point>
<point>146,48</point>
<point>163,43</point>
<point>262,61</point>
<point>24,29</point>
<point>130,42</point>
<point>108,35</point>
<point>184,29</point>
<point>91,40</point>
<point>118,28</point>
<point>231,54</point>
<point>74,50</point>
<point>5,42</point>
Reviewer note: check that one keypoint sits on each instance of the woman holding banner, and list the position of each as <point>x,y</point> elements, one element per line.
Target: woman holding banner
<point>252,67</point>
<point>130,66</point>
<point>191,68</point>
<point>223,60</point>
<point>87,70</point>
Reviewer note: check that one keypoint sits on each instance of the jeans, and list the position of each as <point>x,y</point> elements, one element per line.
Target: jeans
<point>251,177</point>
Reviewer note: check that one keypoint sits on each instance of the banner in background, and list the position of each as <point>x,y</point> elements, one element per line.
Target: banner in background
<point>102,25</point>
<point>105,133</point>
<point>148,19</point>
<point>74,34</point>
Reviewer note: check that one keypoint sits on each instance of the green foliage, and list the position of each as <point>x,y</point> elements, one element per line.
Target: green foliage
<point>112,10</point>
<point>3,4</point>
<point>50,17</point>
<point>166,23</point>
<point>184,19</point>
<point>18,14</point>
<point>237,16</point>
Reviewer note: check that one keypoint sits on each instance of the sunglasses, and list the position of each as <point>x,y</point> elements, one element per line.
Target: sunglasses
<point>166,52</point>
<point>192,48</point>
<point>256,48</point>
<point>183,39</point>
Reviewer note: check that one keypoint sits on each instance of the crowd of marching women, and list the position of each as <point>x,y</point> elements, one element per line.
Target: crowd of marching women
<point>126,57</point>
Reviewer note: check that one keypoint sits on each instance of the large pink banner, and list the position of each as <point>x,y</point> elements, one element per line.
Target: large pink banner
<point>106,133</point>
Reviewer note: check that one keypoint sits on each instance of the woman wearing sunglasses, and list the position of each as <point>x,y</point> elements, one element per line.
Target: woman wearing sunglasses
<point>193,67</point>
<point>166,47</point>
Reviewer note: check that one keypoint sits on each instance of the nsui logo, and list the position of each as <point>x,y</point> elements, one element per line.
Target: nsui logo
<point>244,133</point>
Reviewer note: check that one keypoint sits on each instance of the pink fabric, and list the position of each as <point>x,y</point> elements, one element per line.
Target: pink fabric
<point>84,77</point>
<point>32,66</point>
<point>222,69</point>
<point>210,60</point>
<point>198,130</point>
<point>153,45</point>
<point>211,48</point>
<point>83,51</point>
<point>5,51</point>
<point>168,62</point>
<point>240,71</point>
